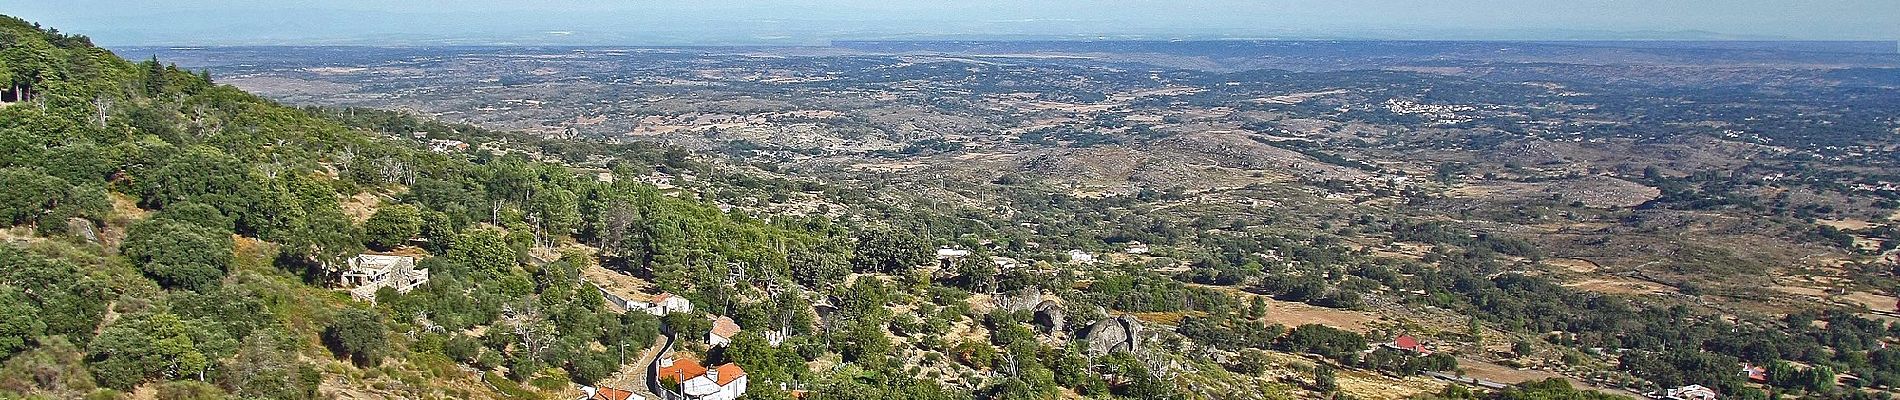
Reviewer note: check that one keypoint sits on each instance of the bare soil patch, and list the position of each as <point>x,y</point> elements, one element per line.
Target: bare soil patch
<point>1871,300</point>
<point>1498,373</point>
<point>1618,285</point>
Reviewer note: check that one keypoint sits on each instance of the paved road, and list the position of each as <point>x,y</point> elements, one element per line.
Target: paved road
<point>653,368</point>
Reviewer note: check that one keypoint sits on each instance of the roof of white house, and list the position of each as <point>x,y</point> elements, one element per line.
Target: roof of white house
<point>725,327</point>
<point>379,262</point>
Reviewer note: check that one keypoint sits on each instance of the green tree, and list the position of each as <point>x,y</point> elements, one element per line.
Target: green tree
<point>482,252</point>
<point>558,211</point>
<point>146,347</point>
<point>204,174</point>
<point>890,251</point>
<point>29,195</point>
<point>818,268</point>
<point>358,334</point>
<point>866,344</point>
<point>392,226</point>
<point>760,359</point>
<point>54,369</point>
<point>1324,379</point>
<point>267,366</point>
<point>199,214</point>
<point>179,254</point>
<point>190,390</point>
<point>318,232</point>
<point>20,324</point>
<point>1552,388</point>
<point>69,303</point>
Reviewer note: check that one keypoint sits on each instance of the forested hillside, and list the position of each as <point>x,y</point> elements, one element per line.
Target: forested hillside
<point>169,237</point>
<point>174,236</point>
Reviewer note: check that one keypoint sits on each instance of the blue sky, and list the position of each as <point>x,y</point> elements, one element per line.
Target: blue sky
<point>667,22</point>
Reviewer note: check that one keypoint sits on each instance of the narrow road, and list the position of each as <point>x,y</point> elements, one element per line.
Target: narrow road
<point>648,356</point>
<point>653,368</point>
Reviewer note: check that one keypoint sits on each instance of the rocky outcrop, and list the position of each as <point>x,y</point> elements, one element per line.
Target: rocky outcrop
<point>1048,318</point>
<point>1113,334</point>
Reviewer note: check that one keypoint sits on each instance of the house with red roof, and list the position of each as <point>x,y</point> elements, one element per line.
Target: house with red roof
<point>725,382</point>
<point>607,393</point>
<point>1410,344</point>
<point>1754,373</point>
<point>659,304</point>
<point>723,330</point>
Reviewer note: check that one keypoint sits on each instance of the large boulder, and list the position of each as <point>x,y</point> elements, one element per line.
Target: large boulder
<point>1113,334</point>
<point>1048,317</point>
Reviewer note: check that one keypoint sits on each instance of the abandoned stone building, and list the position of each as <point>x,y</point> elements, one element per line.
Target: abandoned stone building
<point>371,272</point>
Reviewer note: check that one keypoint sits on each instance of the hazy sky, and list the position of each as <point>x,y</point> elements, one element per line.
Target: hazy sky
<point>211,22</point>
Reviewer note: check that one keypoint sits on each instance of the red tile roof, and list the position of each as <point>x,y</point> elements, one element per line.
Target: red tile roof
<point>1754,373</point>
<point>682,370</point>
<point>1407,342</point>
<point>725,327</point>
<point>607,393</point>
<point>729,372</point>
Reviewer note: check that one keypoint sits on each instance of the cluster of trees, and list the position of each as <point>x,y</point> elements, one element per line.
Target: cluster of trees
<point>1548,389</point>
<point>216,164</point>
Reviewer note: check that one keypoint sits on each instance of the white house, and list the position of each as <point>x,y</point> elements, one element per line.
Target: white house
<point>446,145</point>
<point>660,304</point>
<point>1081,257</point>
<point>1691,392</point>
<point>727,382</point>
<point>371,272</point>
<point>775,338</point>
<point>723,330</point>
<point>1137,248</point>
<point>947,256</point>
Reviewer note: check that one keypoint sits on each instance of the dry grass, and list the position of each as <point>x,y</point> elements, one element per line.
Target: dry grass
<point>1169,318</point>
<point>1871,301</point>
<point>1295,314</point>
<point>1362,385</point>
<point>1620,285</point>
<point>361,206</point>
<point>1498,373</point>
<point>1577,265</point>
<point>625,286</point>
<point>1853,224</point>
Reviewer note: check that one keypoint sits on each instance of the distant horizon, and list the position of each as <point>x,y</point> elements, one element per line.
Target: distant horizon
<point>1882,47</point>
<point>121,23</point>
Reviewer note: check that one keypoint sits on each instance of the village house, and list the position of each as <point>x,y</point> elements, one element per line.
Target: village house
<point>775,338</point>
<point>1081,257</point>
<point>725,382</point>
<point>607,393</point>
<point>1754,373</point>
<point>447,145</point>
<point>1137,248</point>
<point>1691,392</point>
<point>660,304</point>
<point>1408,344</point>
<point>371,272</point>
<point>946,257</point>
<point>723,330</point>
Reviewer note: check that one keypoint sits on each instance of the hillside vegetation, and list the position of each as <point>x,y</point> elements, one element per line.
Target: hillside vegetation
<point>170,237</point>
